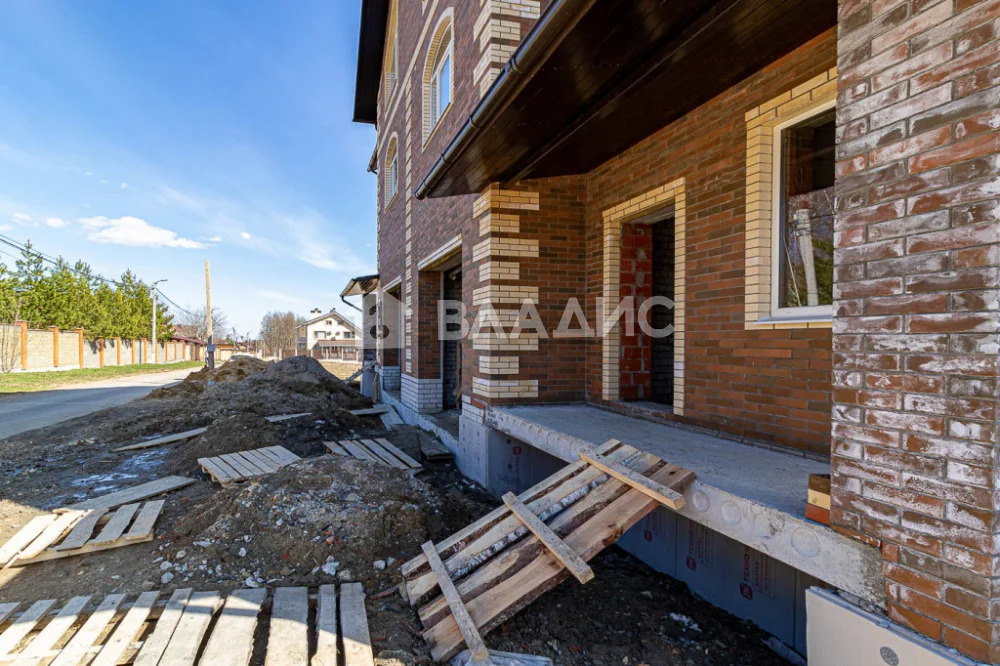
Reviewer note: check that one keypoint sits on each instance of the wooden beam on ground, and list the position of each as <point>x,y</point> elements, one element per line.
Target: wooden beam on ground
<point>354,626</point>
<point>37,650</point>
<point>661,493</point>
<point>288,635</point>
<point>129,495</point>
<point>580,569</point>
<point>285,417</point>
<point>23,625</point>
<point>23,537</point>
<point>183,646</point>
<point>399,453</point>
<point>458,610</point>
<point>326,626</point>
<point>154,646</point>
<point>379,452</point>
<point>162,441</point>
<point>371,411</point>
<point>84,639</point>
<point>336,448</point>
<point>231,642</point>
<point>126,631</point>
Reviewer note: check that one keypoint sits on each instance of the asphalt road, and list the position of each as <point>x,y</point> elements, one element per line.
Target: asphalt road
<point>21,412</point>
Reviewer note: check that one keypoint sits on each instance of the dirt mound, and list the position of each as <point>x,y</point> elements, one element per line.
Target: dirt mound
<point>233,370</point>
<point>228,434</point>
<point>293,525</point>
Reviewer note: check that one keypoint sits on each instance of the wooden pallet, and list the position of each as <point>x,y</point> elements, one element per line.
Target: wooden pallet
<point>153,631</point>
<point>478,578</point>
<point>130,495</point>
<point>230,468</point>
<point>54,536</point>
<point>380,451</point>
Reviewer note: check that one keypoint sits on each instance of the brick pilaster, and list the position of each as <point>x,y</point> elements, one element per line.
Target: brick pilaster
<point>916,318</point>
<point>498,31</point>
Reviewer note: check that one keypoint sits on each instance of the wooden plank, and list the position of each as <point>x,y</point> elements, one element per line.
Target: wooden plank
<point>250,463</point>
<point>282,454</point>
<point>657,491</point>
<point>244,470</point>
<point>285,417</point>
<point>82,642</point>
<point>288,635</point>
<point>154,645</point>
<point>32,529</point>
<point>143,525</point>
<point>53,554</point>
<point>399,453</point>
<point>458,610</point>
<point>219,470</point>
<point>371,411</point>
<point>818,499</point>
<point>51,534</point>
<point>82,531</point>
<point>470,548</point>
<point>391,419</point>
<point>126,631</point>
<point>433,450</point>
<point>115,527</point>
<point>46,639</point>
<point>183,646</point>
<point>354,626</point>
<point>231,642</point>
<point>7,609</point>
<point>273,457</point>
<point>262,461</point>
<point>23,625</point>
<point>358,451</point>
<point>161,441</point>
<point>382,454</point>
<point>326,626</point>
<point>133,494</point>
<point>550,539</point>
<point>527,570</point>
<point>336,448</point>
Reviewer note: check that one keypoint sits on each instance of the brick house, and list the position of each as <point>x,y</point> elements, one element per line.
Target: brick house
<point>813,184</point>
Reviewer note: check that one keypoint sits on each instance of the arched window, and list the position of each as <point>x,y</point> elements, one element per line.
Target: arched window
<point>391,171</point>
<point>391,57</point>
<point>437,80</point>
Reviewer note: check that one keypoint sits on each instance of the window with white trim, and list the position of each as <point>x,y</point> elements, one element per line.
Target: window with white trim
<point>391,57</point>
<point>440,81</point>
<point>438,75</point>
<point>391,171</point>
<point>802,226</point>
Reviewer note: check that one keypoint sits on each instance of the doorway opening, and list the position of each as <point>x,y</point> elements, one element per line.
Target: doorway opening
<point>660,316</point>
<point>451,348</point>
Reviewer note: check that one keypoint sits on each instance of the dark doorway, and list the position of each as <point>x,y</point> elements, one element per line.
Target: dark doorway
<point>660,316</point>
<point>451,350</point>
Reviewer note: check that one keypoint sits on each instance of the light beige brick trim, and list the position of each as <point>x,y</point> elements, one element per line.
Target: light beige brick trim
<point>672,193</point>
<point>761,121</point>
<point>495,246</point>
<point>505,388</point>
<point>507,223</point>
<point>499,270</point>
<point>499,365</point>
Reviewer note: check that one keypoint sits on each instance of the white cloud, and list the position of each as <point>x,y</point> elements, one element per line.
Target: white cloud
<point>55,223</point>
<point>245,236</point>
<point>8,227</point>
<point>213,239</point>
<point>124,186</point>
<point>134,232</point>
<point>24,217</point>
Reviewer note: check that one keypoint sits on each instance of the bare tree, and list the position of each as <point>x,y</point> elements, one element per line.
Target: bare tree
<point>277,331</point>
<point>10,343</point>
<point>195,321</point>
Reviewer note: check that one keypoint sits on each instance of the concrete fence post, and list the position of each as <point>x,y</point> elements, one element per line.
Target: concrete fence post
<point>79,335</point>
<point>23,335</point>
<point>55,346</point>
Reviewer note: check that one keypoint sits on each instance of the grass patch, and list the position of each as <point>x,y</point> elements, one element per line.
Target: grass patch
<point>25,382</point>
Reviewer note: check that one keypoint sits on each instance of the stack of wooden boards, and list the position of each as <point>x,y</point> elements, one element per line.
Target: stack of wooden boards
<point>379,450</point>
<point>148,632</point>
<point>53,536</point>
<point>476,579</point>
<point>240,466</point>
<point>818,498</point>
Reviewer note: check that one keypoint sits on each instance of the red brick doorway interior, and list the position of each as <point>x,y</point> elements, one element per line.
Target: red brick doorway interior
<point>647,271</point>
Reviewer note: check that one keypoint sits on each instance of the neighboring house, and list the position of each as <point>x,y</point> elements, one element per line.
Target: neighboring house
<point>529,153</point>
<point>331,326</point>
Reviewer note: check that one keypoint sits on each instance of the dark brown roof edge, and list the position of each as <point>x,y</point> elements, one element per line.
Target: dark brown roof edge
<point>371,43</point>
<point>550,27</point>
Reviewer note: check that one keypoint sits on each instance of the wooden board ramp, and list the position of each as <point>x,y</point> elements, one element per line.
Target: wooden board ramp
<point>378,450</point>
<point>55,536</point>
<point>508,558</point>
<point>193,627</point>
<point>189,434</point>
<point>231,468</point>
<point>130,495</point>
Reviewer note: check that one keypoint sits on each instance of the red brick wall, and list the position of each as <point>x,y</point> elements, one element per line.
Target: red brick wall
<point>770,385</point>
<point>916,328</point>
<point>636,282</point>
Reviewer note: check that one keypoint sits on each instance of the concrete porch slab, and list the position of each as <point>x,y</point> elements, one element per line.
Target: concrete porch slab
<point>751,494</point>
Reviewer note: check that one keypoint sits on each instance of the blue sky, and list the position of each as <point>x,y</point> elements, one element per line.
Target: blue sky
<point>155,135</point>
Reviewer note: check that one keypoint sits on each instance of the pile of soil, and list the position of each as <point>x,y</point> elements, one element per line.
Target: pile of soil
<point>317,521</point>
<point>233,370</point>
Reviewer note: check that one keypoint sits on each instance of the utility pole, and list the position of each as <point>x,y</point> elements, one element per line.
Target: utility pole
<point>210,352</point>
<point>155,348</point>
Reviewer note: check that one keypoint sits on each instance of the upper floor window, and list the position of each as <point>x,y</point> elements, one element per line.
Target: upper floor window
<point>804,156</point>
<point>437,78</point>
<point>391,171</point>
<point>391,57</point>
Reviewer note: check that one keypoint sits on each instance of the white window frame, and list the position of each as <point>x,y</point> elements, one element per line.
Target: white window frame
<point>446,52</point>
<point>392,173</point>
<point>788,314</point>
